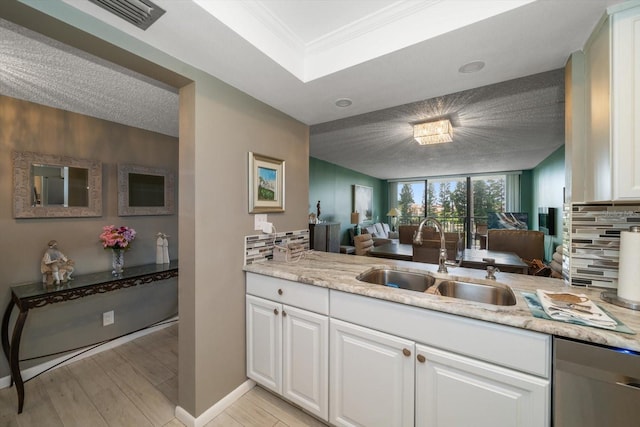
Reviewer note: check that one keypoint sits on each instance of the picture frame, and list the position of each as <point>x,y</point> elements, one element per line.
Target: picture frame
<point>266,184</point>
<point>144,190</point>
<point>363,202</point>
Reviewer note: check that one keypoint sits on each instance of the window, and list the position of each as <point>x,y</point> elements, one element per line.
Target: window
<point>459,203</point>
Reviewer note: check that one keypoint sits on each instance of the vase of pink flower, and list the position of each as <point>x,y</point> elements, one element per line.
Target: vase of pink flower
<point>118,240</point>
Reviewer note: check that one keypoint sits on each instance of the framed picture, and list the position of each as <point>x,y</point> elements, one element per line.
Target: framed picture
<point>266,184</point>
<point>363,202</point>
<point>508,220</point>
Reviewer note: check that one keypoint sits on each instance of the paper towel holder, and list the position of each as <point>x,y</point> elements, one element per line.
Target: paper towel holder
<point>612,296</point>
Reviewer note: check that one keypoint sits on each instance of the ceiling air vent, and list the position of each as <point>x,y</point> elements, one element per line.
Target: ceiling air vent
<point>141,13</point>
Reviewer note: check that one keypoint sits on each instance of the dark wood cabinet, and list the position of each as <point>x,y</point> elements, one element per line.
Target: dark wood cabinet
<point>325,237</point>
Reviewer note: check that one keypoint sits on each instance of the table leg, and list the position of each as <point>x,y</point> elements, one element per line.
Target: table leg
<point>14,359</point>
<point>5,331</point>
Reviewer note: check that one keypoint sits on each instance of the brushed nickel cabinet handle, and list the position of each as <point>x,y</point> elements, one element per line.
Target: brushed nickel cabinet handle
<point>406,352</point>
<point>421,358</point>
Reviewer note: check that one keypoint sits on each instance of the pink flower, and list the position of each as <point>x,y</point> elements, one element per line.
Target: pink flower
<point>113,237</point>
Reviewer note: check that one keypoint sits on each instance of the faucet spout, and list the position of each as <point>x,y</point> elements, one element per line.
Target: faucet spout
<point>442,257</point>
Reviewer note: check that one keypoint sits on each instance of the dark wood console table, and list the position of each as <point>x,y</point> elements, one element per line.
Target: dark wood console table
<point>34,295</point>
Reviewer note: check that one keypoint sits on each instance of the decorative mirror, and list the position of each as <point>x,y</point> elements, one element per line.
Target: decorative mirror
<point>46,186</point>
<point>145,191</point>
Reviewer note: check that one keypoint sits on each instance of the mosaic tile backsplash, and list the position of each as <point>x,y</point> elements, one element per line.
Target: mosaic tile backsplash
<point>594,242</point>
<point>259,247</point>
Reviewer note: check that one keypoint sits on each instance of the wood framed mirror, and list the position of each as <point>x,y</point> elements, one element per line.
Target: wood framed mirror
<point>145,190</point>
<point>49,186</point>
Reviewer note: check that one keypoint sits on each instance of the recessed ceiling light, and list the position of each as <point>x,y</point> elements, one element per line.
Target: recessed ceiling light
<point>343,102</point>
<point>471,67</point>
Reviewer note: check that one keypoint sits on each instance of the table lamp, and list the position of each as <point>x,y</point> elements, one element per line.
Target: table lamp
<point>394,213</point>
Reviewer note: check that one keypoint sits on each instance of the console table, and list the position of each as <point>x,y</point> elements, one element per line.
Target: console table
<point>35,295</point>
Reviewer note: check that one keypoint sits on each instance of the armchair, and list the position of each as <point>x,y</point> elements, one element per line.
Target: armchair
<point>363,244</point>
<point>527,244</point>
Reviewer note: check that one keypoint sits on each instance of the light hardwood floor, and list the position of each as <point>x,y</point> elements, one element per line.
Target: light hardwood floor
<point>133,385</point>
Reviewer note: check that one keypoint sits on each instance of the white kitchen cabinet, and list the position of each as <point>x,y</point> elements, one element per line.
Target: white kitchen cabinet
<point>612,83</point>
<point>353,360</point>
<point>264,343</point>
<point>458,391</point>
<point>305,360</point>
<point>287,346</point>
<point>467,372</point>
<point>372,378</point>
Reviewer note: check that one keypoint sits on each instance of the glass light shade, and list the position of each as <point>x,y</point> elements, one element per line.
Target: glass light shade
<point>433,132</point>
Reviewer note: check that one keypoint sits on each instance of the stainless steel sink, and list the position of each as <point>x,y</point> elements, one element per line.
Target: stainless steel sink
<point>488,294</point>
<point>398,279</point>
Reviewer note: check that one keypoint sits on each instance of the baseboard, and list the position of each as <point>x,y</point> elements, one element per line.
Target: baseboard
<point>188,420</point>
<point>83,353</point>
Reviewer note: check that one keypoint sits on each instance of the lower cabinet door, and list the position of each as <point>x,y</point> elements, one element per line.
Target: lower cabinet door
<point>305,374</point>
<point>371,377</point>
<point>264,342</point>
<point>456,391</point>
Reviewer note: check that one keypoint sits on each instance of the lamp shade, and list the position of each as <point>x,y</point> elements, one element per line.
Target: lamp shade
<point>393,212</point>
<point>355,217</point>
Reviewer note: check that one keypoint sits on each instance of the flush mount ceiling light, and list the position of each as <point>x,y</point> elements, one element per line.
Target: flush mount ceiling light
<point>433,132</point>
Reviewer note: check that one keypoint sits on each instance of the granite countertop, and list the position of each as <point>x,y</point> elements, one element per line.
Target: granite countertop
<point>339,271</point>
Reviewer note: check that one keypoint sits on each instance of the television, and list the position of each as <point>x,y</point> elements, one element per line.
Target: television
<point>547,220</point>
<point>508,220</point>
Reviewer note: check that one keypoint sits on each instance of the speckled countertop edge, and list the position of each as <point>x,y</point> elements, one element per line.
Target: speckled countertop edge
<point>339,272</point>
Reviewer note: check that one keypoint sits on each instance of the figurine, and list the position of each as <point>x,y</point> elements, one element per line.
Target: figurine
<point>165,249</point>
<point>159,248</point>
<point>318,208</point>
<point>162,249</point>
<point>55,266</point>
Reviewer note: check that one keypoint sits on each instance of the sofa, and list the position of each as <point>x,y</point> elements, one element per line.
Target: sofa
<point>381,233</point>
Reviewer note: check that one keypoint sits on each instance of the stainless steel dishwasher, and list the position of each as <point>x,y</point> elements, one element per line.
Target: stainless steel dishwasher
<point>595,386</point>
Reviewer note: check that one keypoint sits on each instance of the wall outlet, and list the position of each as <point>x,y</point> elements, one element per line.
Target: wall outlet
<point>107,318</point>
<point>258,220</point>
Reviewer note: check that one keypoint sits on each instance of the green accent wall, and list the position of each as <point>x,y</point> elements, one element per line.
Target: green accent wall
<point>333,185</point>
<point>526,195</point>
<point>547,190</point>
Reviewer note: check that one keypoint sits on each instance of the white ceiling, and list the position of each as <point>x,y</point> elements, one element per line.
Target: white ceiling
<point>378,53</point>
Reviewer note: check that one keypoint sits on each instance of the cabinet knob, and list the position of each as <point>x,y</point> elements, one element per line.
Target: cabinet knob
<point>421,358</point>
<point>279,291</point>
<point>275,311</point>
<point>406,352</point>
<point>284,313</point>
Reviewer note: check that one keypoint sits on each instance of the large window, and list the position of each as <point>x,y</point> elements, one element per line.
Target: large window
<point>459,203</point>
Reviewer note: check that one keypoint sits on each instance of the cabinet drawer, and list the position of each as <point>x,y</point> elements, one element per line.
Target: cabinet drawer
<point>308,297</point>
<point>525,351</point>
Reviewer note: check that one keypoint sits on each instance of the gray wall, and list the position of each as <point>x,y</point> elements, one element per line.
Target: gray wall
<point>32,127</point>
<point>218,126</point>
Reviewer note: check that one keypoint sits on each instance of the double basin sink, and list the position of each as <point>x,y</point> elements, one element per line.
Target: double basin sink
<point>495,294</point>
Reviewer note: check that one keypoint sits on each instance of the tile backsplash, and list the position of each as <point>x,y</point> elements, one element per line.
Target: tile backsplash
<point>259,247</point>
<point>593,236</point>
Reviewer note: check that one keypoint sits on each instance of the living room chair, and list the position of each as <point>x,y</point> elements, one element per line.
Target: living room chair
<point>528,244</point>
<point>363,244</point>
